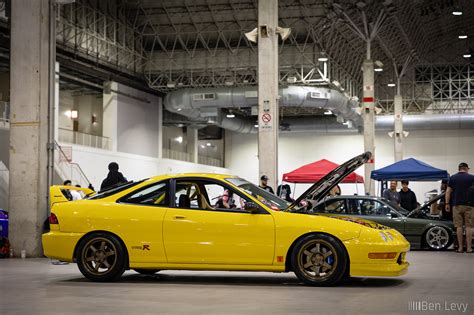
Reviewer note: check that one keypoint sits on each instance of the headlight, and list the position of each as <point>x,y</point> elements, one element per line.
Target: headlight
<point>383,236</point>
<point>390,236</point>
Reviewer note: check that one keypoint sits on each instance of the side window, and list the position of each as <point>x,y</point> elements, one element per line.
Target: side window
<point>154,195</point>
<point>188,196</point>
<point>337,206</point>
<point>374,208</point>
<point>367,207</point>
<point>222,197</point>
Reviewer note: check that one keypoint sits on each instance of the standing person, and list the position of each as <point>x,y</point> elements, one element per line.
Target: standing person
<point>457,195</point>
<point>284,192</point>
<point>264,184</point>
<point>391,194</point>
<point>67,192</point>
<point>407,197</point>
<point>442,202</point>
<point>113,178</point>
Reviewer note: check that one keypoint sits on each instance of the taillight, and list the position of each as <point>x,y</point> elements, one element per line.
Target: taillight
<point>53,219</point>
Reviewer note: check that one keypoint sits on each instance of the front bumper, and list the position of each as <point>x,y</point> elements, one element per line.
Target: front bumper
<point>60,245</point>
<point>371,243</point>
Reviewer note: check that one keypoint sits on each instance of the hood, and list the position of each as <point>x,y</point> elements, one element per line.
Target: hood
<point>363,222</point>
<point>427,204</point>
<point>322,187</point>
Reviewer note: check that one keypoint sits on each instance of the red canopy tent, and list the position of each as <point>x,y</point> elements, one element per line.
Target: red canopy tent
<point>311,173</point>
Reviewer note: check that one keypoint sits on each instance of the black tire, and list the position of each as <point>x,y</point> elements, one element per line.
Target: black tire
<point>319,260</point>
<point>101,257</point>
<point>146,271</point>
<point>437,238</point>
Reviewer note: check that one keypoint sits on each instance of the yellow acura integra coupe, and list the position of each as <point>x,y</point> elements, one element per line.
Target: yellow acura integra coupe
<point>218,222</point>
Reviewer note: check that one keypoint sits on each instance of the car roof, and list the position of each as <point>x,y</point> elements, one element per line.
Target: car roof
<point>183,175</point>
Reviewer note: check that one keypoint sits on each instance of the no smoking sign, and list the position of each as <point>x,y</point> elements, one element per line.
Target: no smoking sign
<point>266,118</point>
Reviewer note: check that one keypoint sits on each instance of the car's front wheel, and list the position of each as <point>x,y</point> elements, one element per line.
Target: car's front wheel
<point>101,257</point>
<point>319,260</point>
<point>438,238</point>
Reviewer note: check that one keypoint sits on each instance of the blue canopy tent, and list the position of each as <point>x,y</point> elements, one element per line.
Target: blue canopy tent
<point>409,169</point>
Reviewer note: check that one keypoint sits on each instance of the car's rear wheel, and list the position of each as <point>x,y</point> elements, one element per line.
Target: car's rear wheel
<point>438,238</point>
<point>146,271</point>
<point>101,257</point>
<point>319,260</point>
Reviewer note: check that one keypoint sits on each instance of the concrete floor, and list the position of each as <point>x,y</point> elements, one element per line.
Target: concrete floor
<point>35,286</point>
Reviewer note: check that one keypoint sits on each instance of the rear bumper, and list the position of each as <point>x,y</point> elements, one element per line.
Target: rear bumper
<point>60,245</point>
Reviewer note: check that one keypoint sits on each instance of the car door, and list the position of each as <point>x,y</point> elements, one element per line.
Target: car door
<point>143,211</point>
<point>197,231</point>
<point>382,213</point>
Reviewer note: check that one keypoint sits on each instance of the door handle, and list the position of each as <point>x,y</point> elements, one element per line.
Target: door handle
<point>179,217</point>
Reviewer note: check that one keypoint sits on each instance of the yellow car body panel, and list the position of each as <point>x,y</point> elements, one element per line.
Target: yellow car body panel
<point>173,238</point>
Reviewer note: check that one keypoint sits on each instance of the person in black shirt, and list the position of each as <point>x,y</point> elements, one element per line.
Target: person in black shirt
<point>263,184</point>
<point>284,192</point>
<point>226,201</point>
<point>407,197</point>
<point>113,178</point>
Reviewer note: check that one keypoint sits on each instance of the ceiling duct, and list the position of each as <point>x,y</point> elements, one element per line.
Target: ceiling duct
<point>198,103</point>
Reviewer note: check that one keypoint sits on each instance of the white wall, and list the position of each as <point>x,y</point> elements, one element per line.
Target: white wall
<point>94,163</point>
<point>441,148</point>
<point>137,122</point>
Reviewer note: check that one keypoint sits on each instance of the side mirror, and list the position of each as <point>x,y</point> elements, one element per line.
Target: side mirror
<point>251,207</point>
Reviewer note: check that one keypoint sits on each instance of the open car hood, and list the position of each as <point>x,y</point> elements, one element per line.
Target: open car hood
<point>322,187</point>
<point>427,204</point>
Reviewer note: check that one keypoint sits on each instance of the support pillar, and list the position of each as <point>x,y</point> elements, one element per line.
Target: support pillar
<point>398,128</point>
<point>192,144</point>
<point>268,90</point>
<point>110,115</point>
<point>369,122</point>
<point>30,78</point>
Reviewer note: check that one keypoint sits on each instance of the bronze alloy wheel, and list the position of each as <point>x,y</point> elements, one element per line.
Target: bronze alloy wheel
<point>438,238</point>
<point>319,260</point>
<point>101,257</point>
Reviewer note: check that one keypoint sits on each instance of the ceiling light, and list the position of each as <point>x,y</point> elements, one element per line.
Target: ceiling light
<point>322,57</point>
<point>229,83</point>
<point>179,109</point>
<point>291,80</point>
<point>391,84</point>
<point>378,69</point>
<point>462,36</point>
<point>74,114</point>
<point>328,112</point>
<point>208,144</point>
<point>467,54</point>
<point>256,125</point>
<point>230,116</point>
<point>457,11</point>
<point>171,84</point>
<point>179,139</point>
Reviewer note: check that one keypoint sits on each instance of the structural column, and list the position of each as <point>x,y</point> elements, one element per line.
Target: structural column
<point>398,127</point>
<point>110,114</point>
<point>30,96</point>
<point>369,122</point>
<point>192,144</point>
<point>268,90</point>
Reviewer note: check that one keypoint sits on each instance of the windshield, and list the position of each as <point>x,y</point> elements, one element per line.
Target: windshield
<point>115,189</point>
<point>398,208</point>
<point>261,195</point>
